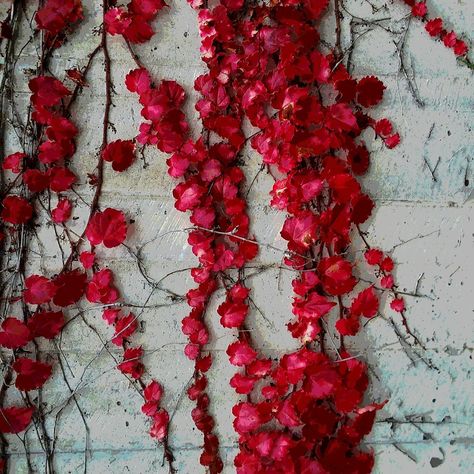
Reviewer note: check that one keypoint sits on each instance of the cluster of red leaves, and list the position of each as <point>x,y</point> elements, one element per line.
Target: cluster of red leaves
<point>435,28</point>
<point>134,21</point>
<point>313,400</point>
<point>151,408</point>
<point>210,191</point>
<point>47,170</point>
<point>308,418</point>
<point>55,17</point>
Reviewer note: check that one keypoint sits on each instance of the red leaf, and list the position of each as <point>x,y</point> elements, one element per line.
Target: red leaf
<point>13,162</point>
<point>153,392</point>
<point>61,179</point>
<point>57,15</point>
<point>240,353</point>
<point>87,259</point>
<point>365,303</point>
<point>369,91</point>
<point>121,153</point>
<point>336,275</point>
<point>117,20</point>
<point>232,314</point>
<point>124,328</point>
<point>39,290</point>
<point>147,9</point>
<point>47,91</point>
<point>247,418</point>
<point>30,373</point>
<point>138,81</point>
<point>107,227</point>
<point>62,212</point>
<point>159,430</point>
<point>14,334</point>
<point>70,287</point>
<point>101,288</point>
<point>314,306</point>
<point>16,210</point>
<point>131,364</point>
<point>47,324</point>
<point>434,27</point>
<point>15,419</point>
<point>35,180</point>
<point>398,305</point>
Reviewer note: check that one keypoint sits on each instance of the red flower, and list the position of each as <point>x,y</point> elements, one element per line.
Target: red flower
<point>14,334</point>
<point>101,289</point>
<point>336,275</point>
<point>107,227</point>
<point>13,162</point>
<point>39,290</point>
<point>131,364</point>
<point>121,153</point>
<point>30,373</point>
<point>62,212</point>
<point>16,210</point>
<point>47,91</point>
<point>47,324</point>
<point>70,287</point>
<point>369,91</point>
<point>15,419</point>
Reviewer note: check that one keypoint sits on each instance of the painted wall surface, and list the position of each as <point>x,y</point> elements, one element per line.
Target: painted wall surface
<point>424,195</point>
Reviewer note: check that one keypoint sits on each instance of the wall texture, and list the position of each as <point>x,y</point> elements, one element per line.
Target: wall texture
<point>424,216</point>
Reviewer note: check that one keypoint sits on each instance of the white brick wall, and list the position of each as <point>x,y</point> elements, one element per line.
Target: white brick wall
<point>427,223</point>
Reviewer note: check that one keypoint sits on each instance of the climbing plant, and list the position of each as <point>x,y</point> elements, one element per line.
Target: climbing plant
<point>268,71</point>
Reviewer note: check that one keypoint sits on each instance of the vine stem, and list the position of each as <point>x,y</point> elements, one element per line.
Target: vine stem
<point>105,127</point>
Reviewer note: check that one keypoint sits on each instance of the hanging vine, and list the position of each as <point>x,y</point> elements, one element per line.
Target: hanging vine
<point>267,71</point>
